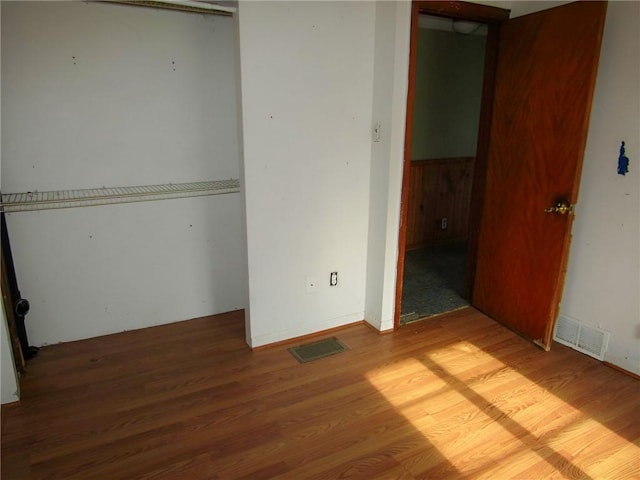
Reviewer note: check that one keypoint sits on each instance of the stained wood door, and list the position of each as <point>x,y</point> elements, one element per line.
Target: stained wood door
<point>545,77</point>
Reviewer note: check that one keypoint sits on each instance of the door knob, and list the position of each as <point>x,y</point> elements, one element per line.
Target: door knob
<point>561,208</point>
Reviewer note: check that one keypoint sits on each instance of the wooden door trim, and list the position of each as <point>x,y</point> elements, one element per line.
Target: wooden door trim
<point>473,12</point>
<point>492,16</point>
<point>482,158</point>
<point>406,168</point>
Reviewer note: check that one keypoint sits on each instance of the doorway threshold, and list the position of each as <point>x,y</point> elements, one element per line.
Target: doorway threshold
<point>413,317</point>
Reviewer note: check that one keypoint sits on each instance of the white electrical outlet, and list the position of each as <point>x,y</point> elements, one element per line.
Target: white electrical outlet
<point>333,279</point>
<point>443,223</point>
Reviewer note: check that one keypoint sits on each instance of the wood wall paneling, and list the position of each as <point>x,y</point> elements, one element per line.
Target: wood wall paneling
<point>439,188</point>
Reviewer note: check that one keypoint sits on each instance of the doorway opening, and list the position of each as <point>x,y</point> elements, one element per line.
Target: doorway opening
<point>449,74</point>
<point>487,21</point>
<point>536,73</point>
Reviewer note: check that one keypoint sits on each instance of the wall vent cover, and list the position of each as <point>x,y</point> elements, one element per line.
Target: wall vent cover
<point>584,338</point>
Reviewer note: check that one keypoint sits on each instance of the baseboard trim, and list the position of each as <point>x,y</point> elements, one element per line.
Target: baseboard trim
<point>623,370</point>
<point>8,406</point>
<point>308,336</point>
<point>379,332</point>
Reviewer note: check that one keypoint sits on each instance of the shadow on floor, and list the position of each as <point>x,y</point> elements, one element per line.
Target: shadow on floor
<point>434,281</point>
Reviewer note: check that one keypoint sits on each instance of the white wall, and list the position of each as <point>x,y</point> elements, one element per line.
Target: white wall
<point>602,287</point>
<point>109,95</point>
<point>307,87</point>
<point>98,270</point>
<point>391,63</point>
<point>449,76</point>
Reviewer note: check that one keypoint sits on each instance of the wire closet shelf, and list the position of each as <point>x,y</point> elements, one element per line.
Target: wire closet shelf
<point>50,200</point>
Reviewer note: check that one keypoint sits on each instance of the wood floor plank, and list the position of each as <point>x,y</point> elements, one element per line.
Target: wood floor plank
<point>456,396</point>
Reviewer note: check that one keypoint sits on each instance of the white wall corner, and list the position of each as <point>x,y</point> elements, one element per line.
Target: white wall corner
<point>396,168</point>
<point>305,329</point>
<point>243,190</point>
<point>391,67</point>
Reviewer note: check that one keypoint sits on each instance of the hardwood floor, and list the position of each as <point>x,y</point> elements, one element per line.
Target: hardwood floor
<point>457,396</point>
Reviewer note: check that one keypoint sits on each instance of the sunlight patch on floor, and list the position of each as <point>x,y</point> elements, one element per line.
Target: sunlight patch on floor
<point>456,408</point>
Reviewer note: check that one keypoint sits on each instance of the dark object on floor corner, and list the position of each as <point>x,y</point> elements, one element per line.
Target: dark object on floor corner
<point>318,349</point>
<point>20,306</point>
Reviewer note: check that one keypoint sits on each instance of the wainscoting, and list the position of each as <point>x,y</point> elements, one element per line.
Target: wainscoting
<point>439,198</point>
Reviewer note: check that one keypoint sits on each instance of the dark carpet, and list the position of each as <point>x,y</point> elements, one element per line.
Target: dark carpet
<point>434,280</point>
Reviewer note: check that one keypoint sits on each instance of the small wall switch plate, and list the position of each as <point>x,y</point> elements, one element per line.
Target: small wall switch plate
<point>333,279</point>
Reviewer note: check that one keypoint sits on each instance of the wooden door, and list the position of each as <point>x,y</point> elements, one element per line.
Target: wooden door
<point>545,77</point>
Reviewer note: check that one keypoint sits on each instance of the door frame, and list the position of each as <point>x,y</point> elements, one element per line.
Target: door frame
<point>493,17</point>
